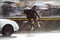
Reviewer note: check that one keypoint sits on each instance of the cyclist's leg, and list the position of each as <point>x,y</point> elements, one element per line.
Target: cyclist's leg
<point>36,24</point>
<point>31,21</point>
<point>32,24</point>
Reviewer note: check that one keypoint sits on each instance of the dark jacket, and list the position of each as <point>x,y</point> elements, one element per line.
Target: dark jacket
<point>30,13</point>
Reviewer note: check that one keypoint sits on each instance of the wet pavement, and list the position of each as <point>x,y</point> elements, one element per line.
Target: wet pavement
<point>53,35</point>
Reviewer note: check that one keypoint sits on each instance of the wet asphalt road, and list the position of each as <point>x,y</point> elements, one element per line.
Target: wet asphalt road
<point>52,35</point>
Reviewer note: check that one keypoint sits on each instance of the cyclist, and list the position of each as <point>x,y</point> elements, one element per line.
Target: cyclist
<point>31,15</point>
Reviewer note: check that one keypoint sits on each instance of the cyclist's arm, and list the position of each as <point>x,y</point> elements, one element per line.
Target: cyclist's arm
<point>36,14</point>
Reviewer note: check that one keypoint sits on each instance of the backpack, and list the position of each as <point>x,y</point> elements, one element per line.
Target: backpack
<point>26,11</point>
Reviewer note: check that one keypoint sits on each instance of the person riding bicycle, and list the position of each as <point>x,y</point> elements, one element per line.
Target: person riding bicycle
<point>31,15</point>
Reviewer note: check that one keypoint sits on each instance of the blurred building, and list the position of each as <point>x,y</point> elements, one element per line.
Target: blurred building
<point>31,2</point>
<point>23,3</point>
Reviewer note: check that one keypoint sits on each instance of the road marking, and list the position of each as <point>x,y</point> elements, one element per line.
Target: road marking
<point>38,19</point>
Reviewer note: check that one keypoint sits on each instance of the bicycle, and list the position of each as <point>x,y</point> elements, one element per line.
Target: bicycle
<point>32,26</point>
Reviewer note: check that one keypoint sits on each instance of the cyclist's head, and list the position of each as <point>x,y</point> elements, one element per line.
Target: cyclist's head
<point>34,7</point>
<point>48,6</point>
